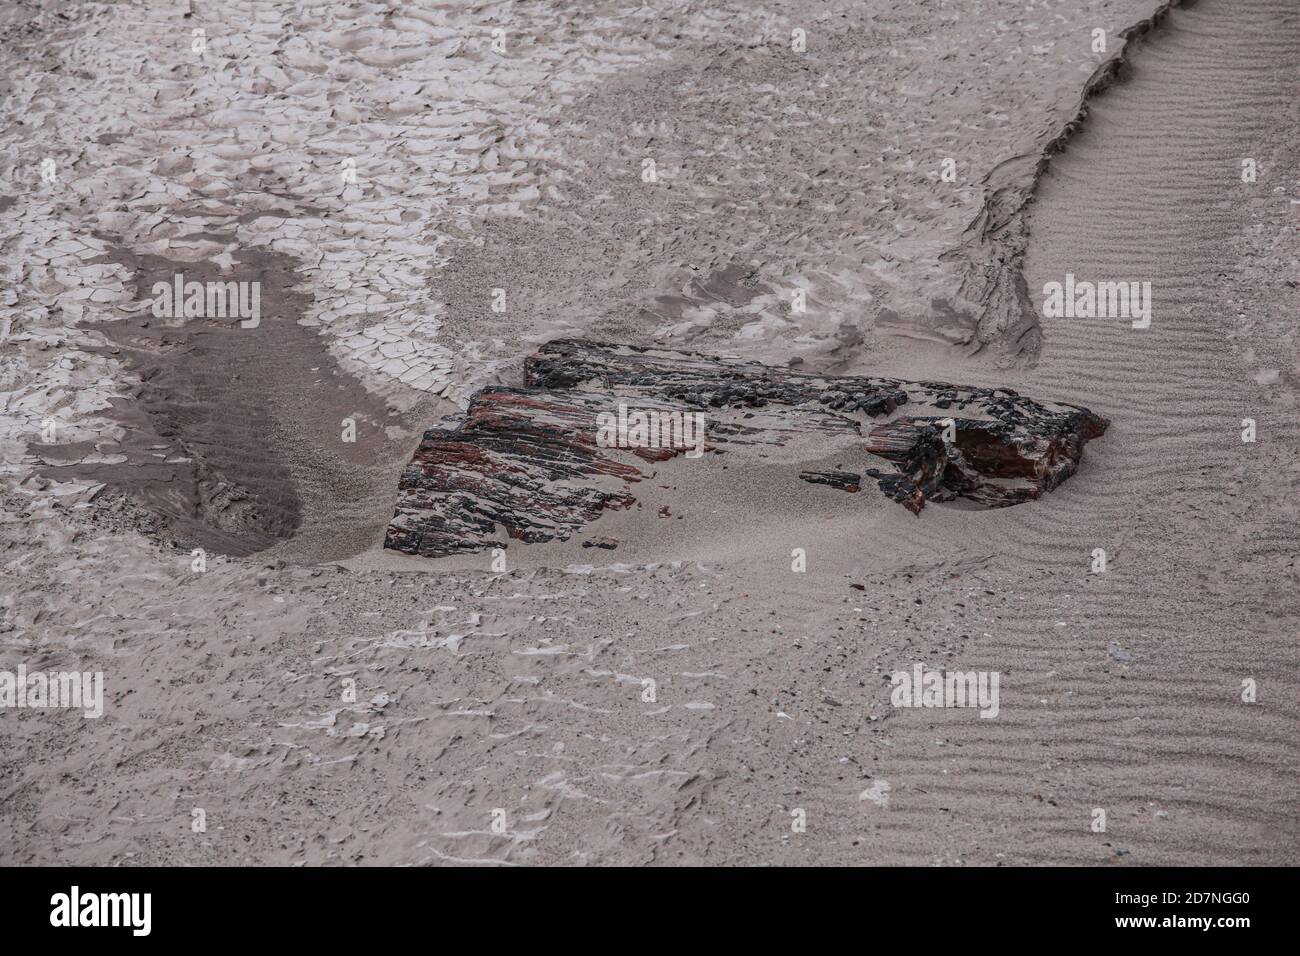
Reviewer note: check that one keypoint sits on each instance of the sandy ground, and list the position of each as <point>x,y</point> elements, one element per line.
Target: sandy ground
<point>520,695</point>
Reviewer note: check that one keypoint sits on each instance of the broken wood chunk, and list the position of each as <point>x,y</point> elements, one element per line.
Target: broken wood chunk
<point>540,463</point>
<point>843,480</point>
<point>520,460</point>
<point>701,381</point>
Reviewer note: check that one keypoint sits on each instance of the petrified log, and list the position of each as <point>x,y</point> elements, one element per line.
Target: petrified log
<point>526,463</point>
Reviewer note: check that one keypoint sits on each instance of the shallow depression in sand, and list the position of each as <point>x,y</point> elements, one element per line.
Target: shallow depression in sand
<point>236,438</point>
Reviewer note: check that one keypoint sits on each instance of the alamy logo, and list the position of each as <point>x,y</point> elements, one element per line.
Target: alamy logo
<point>103,909</point>
<point>653,428</point>
<point>1098,300</point>
<point>208,300</point>
<point>58,689</point>
<point>934,688</point>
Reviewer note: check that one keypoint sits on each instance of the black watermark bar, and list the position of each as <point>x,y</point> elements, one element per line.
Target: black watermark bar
<point>341,906</point>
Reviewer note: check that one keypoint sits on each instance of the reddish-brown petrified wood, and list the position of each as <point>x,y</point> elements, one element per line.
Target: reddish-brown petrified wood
<point>524,463</point>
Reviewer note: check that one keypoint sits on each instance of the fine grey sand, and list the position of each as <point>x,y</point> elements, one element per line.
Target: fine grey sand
<point>520,694</point>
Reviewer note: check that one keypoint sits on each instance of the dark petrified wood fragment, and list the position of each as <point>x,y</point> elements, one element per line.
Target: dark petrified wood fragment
<point>701,381</point>
<point>1027,450</point>
<point>843,480</point>
<point>525,463</point>
<point>521,460</point>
